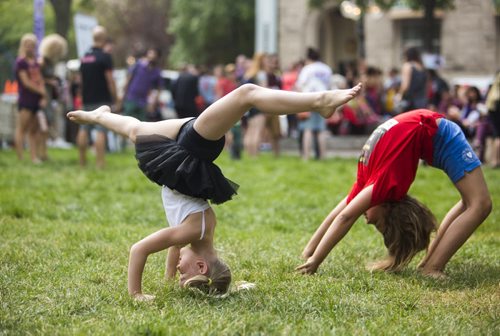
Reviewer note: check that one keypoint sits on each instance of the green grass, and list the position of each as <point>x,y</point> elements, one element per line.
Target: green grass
<point>65,234</point>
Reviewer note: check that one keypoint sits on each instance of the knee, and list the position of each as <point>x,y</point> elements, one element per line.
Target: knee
<point>246,91</point>
<point>138,249</point>
<point>483,206</point>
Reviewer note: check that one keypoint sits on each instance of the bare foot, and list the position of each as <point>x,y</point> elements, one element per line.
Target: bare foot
<point>421,265</point>
<point>144,297</point>
<point>331,100</point>
<point>87,117</point>
<point>435,274</point>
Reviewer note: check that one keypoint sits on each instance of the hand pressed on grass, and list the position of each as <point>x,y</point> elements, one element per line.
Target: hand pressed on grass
<point>309,267</point>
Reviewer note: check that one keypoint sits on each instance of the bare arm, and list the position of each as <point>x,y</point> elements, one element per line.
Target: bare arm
<point>111,85</point>
<point>158,241</point>
<point>321,230</point>
<point>405,78</point>
<point>172,261</point>
<point>30,85</point>
<point>338,229</point>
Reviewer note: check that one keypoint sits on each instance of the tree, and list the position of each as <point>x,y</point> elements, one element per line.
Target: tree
<point>62,11</point>
<point>210,32</point>
<point>134,25</point>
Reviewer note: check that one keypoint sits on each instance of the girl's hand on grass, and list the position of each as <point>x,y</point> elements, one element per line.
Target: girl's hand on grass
<point>309,267</point>
<point>143,297</point>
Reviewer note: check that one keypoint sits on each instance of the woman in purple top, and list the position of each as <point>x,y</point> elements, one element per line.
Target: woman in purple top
<point>31,93</point>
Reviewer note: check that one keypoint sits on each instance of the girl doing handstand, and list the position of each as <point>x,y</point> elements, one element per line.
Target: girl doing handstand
<point>178,154</point>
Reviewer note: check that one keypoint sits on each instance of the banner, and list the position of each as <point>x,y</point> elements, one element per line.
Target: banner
<point>84,24</point>
<point>38,19</point>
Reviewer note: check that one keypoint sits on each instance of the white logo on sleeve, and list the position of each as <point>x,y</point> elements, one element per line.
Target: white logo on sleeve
<point>468,156</point>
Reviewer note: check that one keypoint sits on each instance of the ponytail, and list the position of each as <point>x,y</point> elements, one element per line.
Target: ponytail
<point>217,280</point>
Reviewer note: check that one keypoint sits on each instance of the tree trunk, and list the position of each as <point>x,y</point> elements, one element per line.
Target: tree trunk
<point>62,10</point>
<point>429,25</point>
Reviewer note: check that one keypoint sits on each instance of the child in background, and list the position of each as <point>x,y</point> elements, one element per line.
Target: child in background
<point>178,154</point>
<point>386,169</point>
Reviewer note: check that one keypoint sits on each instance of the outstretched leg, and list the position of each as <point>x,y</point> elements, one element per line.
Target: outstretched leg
<point>219,117</point>
<point>452,214</point>
<point>127,126</point>
<point>477,203</point>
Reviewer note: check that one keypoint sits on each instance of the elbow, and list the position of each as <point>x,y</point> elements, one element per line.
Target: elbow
<point>138,250</point>
<point>345,220</point>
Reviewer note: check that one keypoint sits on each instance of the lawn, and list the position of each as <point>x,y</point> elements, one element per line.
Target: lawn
<point>65,234</point>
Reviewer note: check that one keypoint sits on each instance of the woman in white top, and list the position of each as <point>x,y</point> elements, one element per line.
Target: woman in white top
<point>178,154</point>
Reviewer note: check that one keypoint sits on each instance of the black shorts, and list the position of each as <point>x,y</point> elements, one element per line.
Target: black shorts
<point>185,164</point>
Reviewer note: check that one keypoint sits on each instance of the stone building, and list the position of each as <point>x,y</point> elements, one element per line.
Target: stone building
<point>467,37</point>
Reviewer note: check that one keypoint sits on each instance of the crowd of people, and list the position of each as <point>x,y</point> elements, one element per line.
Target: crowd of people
<point>197,87</point>
<point>411,117</point>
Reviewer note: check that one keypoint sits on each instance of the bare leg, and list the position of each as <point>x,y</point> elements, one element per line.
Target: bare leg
<point>100,148</point>
<point>127,126</point>
<point>322,144</point>
<point>33,138</point>
<point>219,117</point>
<point>477,202</point>
<point>253,135</point>
<point>306,144</point>
<point>82,142</point>
<point>454,212</point>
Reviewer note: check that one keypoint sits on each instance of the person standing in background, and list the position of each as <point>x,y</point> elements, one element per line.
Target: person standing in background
<point>185,91</point>
<point>143,78</point>
<point>256,120</point>
<point>52,49</point>
<point>493,106</point>
<point>315,76</point>
<point>413,91</point>
<point>98,88</point>
<point>206,86</point>
<point>31,96</point>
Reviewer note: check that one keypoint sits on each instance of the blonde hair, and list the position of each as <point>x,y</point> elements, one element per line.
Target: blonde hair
<point>407,227</point>
<point>217,281</point>
<point>29,37</point>
<point>53,47</point>
<point>256,66</point>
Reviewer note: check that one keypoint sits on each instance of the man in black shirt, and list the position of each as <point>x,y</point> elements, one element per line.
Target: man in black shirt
<point>98,88</point>
<point>184,92</point>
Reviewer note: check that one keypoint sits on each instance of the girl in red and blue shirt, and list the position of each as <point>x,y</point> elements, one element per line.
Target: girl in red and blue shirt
<point>386,169</point>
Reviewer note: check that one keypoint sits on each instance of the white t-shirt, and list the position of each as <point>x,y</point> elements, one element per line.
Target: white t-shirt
<point>178,206</point>
<point>315,77</point>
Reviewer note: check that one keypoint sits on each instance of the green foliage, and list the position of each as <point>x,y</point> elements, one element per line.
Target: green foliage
<point>211,31</point>
<point>65,234</point>
<point>16,19</point>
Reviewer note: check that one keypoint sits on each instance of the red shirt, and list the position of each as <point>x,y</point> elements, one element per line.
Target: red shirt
<point>226,85</point>
<point>390,156</point>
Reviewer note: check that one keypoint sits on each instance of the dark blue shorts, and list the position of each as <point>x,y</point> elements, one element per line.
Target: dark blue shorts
<point>452,152</point>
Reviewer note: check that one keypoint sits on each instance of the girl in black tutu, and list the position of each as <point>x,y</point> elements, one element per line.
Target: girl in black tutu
<point>178,154</point>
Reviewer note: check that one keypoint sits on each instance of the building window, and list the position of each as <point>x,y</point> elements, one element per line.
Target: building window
<point>412,34</point>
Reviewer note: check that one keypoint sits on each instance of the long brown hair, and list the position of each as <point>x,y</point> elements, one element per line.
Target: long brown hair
<point>217,280</point>
<point>407,228</point>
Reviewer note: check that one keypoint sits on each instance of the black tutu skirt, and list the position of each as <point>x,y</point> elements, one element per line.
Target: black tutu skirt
<point>185,164</point>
